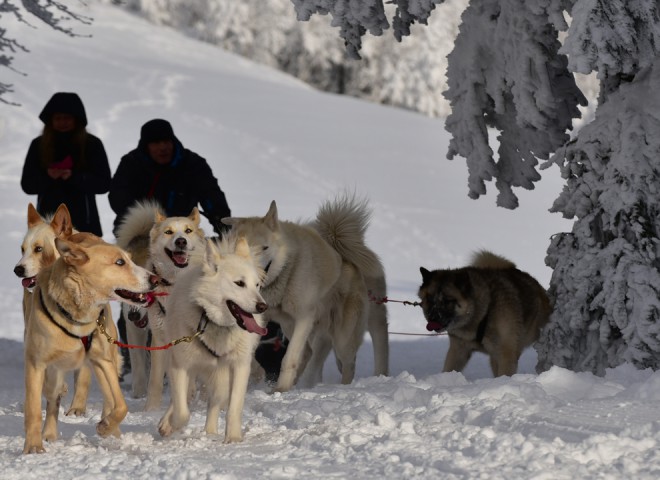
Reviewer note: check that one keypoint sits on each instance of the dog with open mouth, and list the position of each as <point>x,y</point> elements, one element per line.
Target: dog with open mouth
<point>489,306</point>
<point>38,252</point>
<point>166,246</point>
<point>69,302</point>
<point>219,303</point>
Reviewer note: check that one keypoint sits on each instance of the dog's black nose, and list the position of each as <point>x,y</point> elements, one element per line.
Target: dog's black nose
<point>181,243</point>
<point>19,270</point>
<point>262,307</point>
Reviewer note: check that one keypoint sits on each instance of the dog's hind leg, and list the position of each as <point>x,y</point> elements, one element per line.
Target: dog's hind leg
<point>320,349</point>
<point>53,388</point>
<point>82,379</point>
<point>294,352</point>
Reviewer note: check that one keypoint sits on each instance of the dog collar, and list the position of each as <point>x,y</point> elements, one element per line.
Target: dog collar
<point>165,282</point>
<point>201,328</point>
<point>86,340</point>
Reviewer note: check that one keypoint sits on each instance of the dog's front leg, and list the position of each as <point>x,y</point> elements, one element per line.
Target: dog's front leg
<point>53,391</point>
<point>34,379</point>
<point>180,416</point>
<point>239,382</point>
<point>294,352</point>
<point>106,374</point>
<point>159,360</point>
<point>220,384</point>
<point>458,355</point>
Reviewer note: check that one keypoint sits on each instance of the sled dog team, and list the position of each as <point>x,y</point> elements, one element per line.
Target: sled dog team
<point>314,279</point>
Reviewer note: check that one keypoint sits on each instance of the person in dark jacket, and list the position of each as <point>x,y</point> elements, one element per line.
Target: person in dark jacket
<point>160,168</point>
<point>66,164</point>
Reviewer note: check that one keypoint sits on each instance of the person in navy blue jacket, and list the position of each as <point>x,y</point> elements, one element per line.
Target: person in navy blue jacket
<point>162,169</point>
<point>66,164</point>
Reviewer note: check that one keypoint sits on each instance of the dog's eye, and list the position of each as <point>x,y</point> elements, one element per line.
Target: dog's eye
<point>121,262</point>
<point>264,248</point>
<point>38,249</point>
<point>188,230</point>
<point>169,232</point>
<point>240,283</point>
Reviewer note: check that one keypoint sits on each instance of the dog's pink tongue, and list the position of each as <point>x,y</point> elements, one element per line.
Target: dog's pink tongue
<point>180,258</point>
<point>434,326</point>
<point>28,282</point>
<point>252,326</point>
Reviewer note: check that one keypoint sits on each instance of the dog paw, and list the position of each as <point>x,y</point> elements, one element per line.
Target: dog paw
<point>76,412</point>
<point>105,428</point>
<point>235,438</point>
<point>36,447</point>
<point>165,429</point>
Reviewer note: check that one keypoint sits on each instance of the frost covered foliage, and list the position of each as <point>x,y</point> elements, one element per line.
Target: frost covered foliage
<point>606,278</point>
<point>51,12</point>
<point>506,72</point>
<point>410,74</point>
<point>601,30</point>
<point>357,17</point>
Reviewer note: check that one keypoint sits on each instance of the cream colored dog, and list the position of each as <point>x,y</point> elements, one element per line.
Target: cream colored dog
<point>219,302</point>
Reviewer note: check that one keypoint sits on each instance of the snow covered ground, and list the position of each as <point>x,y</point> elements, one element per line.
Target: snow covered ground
<point>267,137</point>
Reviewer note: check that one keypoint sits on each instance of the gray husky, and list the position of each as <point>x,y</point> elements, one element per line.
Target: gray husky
<point>316,286</point>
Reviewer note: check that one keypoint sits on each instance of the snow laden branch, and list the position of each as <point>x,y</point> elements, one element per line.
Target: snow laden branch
<point>357,17</point>
<point>53,13</point>
<point>614,38</point>
<point>506,72</point>
<point>606,278</point>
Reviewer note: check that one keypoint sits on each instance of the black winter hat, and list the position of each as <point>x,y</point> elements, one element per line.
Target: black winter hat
<point>156,130</point>
<point>64,102</point>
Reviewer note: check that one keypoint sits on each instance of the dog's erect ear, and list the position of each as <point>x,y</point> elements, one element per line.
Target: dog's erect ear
<point>158,217</point>
<point>242,248</point>
<point>426,275</point>
<point>61,222</point>
<point>194,216</point>
<point>271,219</point>
<point>71,253</point>
<point>210,255</point>
<point>33,217</point>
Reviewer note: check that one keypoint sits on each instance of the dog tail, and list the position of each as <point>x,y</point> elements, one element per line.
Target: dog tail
<point>343,222</point>
<point>137,223</point>
<point>486,259</point>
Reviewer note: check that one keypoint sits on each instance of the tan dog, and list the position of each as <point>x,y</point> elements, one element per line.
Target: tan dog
<point>69,299</point>
<point>167,246</point>
<point>38,252</point>
<point>490,307</point>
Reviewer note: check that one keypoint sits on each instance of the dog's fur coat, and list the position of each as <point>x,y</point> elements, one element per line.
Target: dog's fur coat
<point>315,286</point>
<point>220,297</point>
<point>166,246</point>
<point>69,299</point>
<point>489,306</point>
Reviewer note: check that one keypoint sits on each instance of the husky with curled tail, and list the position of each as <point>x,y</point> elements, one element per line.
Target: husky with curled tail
<point>166,246</point>
<point>316,286</point>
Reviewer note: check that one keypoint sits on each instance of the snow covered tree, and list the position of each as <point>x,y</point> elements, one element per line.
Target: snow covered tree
<point>53,13</point>
<point>509,71</point>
